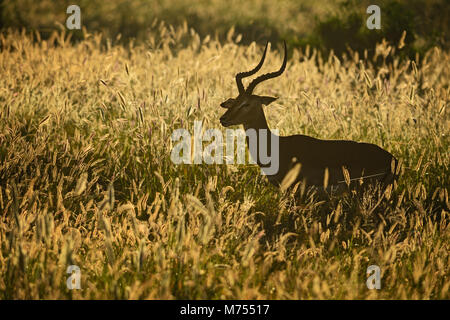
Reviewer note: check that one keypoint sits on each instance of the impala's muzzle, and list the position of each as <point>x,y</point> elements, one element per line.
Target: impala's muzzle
<point>224,121</point>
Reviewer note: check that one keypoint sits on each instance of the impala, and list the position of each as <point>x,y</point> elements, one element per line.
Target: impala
<point>323,163</point>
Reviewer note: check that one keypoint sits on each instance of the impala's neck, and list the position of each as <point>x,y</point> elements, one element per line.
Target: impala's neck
<point>258,134</point>
<point>258,122</point>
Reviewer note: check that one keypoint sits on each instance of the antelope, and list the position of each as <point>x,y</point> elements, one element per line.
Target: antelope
<point>336,161</point>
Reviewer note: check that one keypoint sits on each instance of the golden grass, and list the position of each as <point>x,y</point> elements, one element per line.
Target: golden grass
<point>86,176</point>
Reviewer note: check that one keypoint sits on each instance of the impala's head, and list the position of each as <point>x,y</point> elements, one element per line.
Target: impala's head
<point>242,109</point>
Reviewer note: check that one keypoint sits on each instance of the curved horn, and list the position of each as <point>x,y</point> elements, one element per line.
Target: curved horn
<point>268,76</point>
<point>241,75</point>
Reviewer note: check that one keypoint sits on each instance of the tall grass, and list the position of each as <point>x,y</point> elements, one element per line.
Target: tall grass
<point>86,176</point>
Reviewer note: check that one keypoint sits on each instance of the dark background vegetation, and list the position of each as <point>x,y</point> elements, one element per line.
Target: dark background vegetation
<point>326,25</point>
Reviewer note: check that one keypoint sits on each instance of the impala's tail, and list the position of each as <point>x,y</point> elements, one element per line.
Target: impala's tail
<point>394,172</point>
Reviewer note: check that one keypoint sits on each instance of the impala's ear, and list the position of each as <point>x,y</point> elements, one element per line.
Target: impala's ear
<point>227,104</point>
<point>267,100</point>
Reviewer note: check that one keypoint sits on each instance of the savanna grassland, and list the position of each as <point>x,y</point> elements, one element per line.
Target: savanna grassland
<point>86,177</point>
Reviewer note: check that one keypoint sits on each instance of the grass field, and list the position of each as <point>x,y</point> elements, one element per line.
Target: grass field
<point>86,177</point>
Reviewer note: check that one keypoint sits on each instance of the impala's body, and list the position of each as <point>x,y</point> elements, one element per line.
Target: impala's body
<point>360,159</point>
<point>364,162</point>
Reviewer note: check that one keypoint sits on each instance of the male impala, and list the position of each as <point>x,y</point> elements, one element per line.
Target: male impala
<point>340,161</point>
